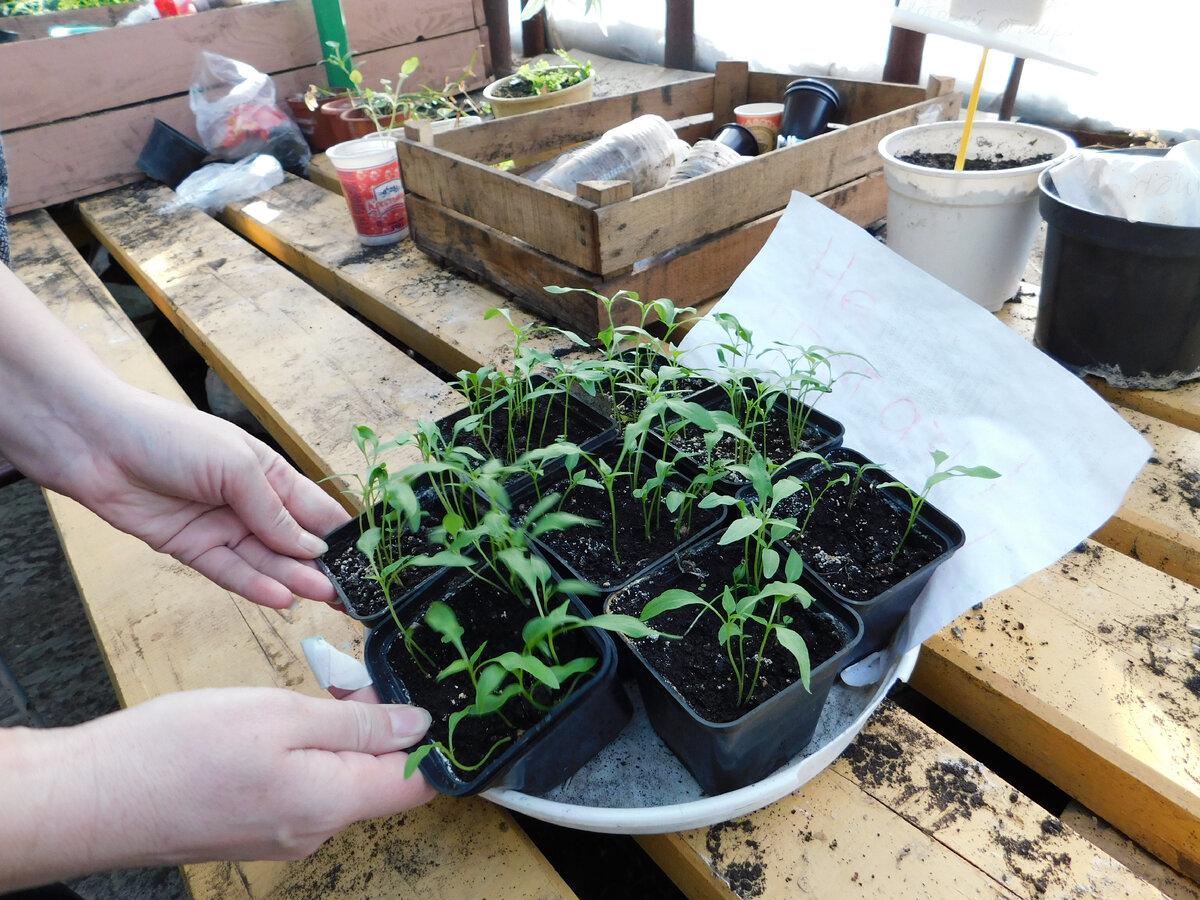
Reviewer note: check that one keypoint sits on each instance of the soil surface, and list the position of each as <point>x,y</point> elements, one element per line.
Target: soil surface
<point>697,665</point>
<point>587,551</point>
<point>850,542</point>
<point>978,164</point>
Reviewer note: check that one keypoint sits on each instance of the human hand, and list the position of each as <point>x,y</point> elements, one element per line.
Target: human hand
<point>212,496</point>
<point>226,773</point>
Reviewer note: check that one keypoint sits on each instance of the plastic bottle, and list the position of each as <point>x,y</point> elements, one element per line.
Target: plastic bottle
<point>641,151</point>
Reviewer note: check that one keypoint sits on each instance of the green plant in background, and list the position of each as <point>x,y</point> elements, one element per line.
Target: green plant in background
<point>545,77</point>
<point>917,499</point>
<point>389,105</point>
<point>38,7</point>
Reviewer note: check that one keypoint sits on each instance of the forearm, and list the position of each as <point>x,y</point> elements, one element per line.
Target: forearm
<point>54,826</point>
<point>55,393</point>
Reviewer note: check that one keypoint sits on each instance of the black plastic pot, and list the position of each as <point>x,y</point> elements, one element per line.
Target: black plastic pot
<point>1119,299</point>
<point>371,610</point>
<point>882,613</point>
<point>169,156</point>
<point>545,755</point>
<point>808,107</point>
<point>725,756</point>
<point>704,523</point>
<point>737,137</point>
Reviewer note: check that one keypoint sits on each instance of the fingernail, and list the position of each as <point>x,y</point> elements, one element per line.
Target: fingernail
<point>312,544</point>
<point>409,721</point>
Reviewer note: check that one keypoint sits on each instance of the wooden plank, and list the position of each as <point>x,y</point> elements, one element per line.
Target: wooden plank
<point>266,332</point>
<point>438,314</point>
<point>903,813</point>
<point>1086,673</point>
<point>72,158</point>
<point>160,56</point>
<point>689,275</point>
<point>163,627</point>
<point>1180,407</point>
<point>1159,520</point>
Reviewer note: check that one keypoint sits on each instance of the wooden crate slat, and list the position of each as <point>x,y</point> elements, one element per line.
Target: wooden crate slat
<point>860,100</point>
<point>160,56</point>
<point>688,276</point>
<point>436,313</point>
<point>63,160</point>
<point>903,813</point>
<point>134,595</point>
<point>658,221</point>
<point>1085,672</point>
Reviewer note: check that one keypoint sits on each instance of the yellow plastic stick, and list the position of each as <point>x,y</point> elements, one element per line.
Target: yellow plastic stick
<point>962,147</point>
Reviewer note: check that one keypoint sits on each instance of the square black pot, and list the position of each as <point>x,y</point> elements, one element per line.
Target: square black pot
<point>725,756</point>
<point>546,754</point>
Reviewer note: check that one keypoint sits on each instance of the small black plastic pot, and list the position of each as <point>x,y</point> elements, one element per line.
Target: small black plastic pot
<point>737,137</point>
<point>725,756</point>
<point>545,755</point>
<point>882,613</point>
<point>704,523</point>
<point>808,107</point>
<point>372,609</point>
<point>169,156</point>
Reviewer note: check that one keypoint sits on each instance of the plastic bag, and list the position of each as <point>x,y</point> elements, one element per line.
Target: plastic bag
<point>216,184</point>
<point>237,116</point>
<point>706,156</point>
<point>641,152</point>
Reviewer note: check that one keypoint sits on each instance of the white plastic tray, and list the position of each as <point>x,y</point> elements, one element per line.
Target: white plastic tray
<point>659,795</point>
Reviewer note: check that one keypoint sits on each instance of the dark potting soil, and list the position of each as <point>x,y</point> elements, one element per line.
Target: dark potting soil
<point>490,616</point>
<point>850,545</point>
<point>353,570</point>
<point>773,439</point>
<point>976,164</point>
<point>588,549</point>
<point>697,665</point>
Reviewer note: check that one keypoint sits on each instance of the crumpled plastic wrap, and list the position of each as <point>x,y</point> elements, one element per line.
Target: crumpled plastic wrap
<point>213,186</point>
<point>1164,190</point>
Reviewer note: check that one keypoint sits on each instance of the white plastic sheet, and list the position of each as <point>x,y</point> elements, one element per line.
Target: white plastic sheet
<point>1164,190</point>
<point>943,374</point>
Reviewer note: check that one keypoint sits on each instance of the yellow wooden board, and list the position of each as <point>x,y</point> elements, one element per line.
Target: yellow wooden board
<point>438,314</point>
<point>308,370</point>
<point>162,627</point>
<point>903,813</point>
<point>1086,672</point>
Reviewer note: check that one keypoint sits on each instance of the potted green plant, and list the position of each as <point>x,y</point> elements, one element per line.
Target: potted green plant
<point>741,689</point>
<point>541,85</point>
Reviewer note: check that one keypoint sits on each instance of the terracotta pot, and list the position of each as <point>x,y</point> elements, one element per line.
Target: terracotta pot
<point>316,127</point>
<point>361,125</point>
<point>332,111</point>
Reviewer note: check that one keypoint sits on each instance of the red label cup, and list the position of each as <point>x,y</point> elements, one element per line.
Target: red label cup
<point>369,172</point>
<point>763,120</point>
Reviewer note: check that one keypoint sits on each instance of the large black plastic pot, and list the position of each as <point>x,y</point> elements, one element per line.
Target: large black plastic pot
<point>725,756</point>
<point>1119,299</point>
<point>881,612</point>
<point>169,156</point>
<point>547,753</point>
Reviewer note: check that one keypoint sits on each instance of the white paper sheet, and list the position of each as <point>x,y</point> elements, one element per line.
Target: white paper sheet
<point>944,374</point>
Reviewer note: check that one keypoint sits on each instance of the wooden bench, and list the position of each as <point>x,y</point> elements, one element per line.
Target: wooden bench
<point>938,821</point>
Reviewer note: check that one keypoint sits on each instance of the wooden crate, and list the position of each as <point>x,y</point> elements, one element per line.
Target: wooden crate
<point>79,113</point>
<point>688,241</point>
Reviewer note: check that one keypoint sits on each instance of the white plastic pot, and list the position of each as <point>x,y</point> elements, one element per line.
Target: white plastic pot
<point>971,230</point>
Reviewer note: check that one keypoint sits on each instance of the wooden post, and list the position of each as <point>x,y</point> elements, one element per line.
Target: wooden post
<point>905,51</point>
<point>534,33</point>
<point>495,15</point>
<point>1009,101</point>
<point>680,50</point>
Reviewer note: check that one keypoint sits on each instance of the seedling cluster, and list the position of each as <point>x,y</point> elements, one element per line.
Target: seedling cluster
<point>517,439</point>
